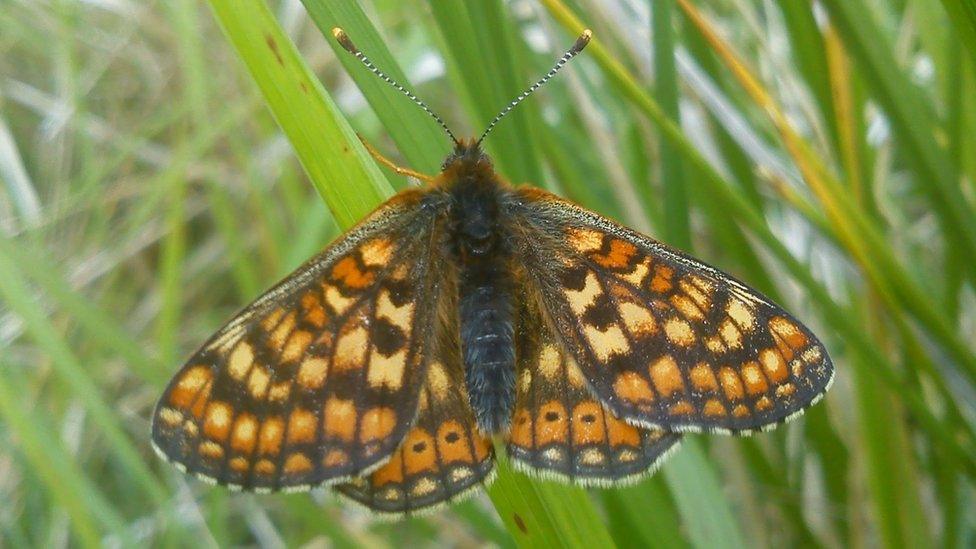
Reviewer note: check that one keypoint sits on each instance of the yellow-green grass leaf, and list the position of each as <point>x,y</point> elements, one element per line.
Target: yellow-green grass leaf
<point>336,162</point>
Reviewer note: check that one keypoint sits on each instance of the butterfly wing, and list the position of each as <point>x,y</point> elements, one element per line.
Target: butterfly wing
<point>443,457</point>
<point>319,378</point>
<point>664,340</point>
<point>559,430</point>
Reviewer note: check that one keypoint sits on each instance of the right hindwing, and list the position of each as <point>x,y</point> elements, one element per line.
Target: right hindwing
<point>560,430</point>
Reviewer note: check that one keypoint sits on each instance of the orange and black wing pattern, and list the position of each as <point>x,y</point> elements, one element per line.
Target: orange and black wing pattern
<point>663,340</point>
<point>319,379</point>
<point>559,430</point>
<point>443,457</point>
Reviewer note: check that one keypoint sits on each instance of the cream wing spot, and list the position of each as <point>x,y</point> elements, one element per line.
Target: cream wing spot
<point>525,380</point>
<point>351,349</point>
<point>666,377</point>
<point>573,373</point>
<point>637,319</point>
<point>679,332</point>
<point>302,426</point>
<point>423,487</point>
<point>269,438</point>
<point>257,382</point>
<point>703,378</point>
<point>754,380</point>
<point>240,361</point>
<point>192,383</point>
<point>714,345</point>
<point>339,418</point>
<point>312,372</point>
<point>584,240</point>
<point>741,314</point>
<point>549,363</point>
<point>398,316</point>
<point>812,355</point>
<point>637,276</point>
<point>170,417</point>
<point>785,390</point>
<point>271,320</point>
<point>579,300</point>
<point>296,345</point>
<point>339,303</point>
<point>607,343</point>
<point>437,380</point>
<point>376,252</point>
<point>279,391</point>
<point>730,334</point>
<point>687,307</point>
<point>280,334</point>
<point>297,463</point>
<point>592,456</point>
<point>731,383</point>
<point>244,433</point>
<point>387,371</point>
<point>217,423</point>
<point>211,450</point>
<point>632,387</point>
<point>688,286</point>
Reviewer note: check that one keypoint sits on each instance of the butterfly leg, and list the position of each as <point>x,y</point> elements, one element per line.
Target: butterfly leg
<point>400,170</point>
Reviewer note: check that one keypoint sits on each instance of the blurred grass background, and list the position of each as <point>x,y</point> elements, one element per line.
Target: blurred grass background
<point>159,164</point>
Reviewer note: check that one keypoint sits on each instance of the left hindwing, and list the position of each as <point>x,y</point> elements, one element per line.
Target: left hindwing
<point>663,340</point>
<point>444,456</point>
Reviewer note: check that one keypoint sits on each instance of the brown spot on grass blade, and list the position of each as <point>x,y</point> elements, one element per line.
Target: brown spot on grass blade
<point>273,45</point>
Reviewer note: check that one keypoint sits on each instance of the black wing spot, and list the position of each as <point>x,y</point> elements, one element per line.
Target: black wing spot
<point>387,337</point>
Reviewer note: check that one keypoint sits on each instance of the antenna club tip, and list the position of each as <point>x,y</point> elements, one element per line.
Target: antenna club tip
<point>582,41</point>
<point>343,39</point>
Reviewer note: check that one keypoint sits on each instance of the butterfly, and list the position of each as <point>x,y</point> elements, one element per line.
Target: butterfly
<point>469,309</point>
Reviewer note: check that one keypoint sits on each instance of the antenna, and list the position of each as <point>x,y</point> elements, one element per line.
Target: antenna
<point>578,46</point>
<point>343,39</point>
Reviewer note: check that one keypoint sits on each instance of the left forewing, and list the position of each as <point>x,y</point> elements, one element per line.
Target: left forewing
<point>318,380</point>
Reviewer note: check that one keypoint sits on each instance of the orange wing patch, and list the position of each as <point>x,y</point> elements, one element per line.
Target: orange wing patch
<point>319,379</point>
<point>664,340</point>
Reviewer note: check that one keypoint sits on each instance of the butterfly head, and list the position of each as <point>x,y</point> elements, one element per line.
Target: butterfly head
<point>467,155</point>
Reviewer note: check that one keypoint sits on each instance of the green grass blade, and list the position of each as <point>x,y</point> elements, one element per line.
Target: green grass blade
<point>97,323</point>
<point>706,514</point>
<point>545,514</point>
<point>912,118</point>
<point>962,15</point>
<point>898,512</point>
<point>676,229</point>
<point>335,160</point>
<point>54,466</point>
<point>644,515</point>
<point>81,381</point>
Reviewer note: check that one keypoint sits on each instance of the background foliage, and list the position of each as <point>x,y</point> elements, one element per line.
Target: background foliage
<point>155,161</point>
